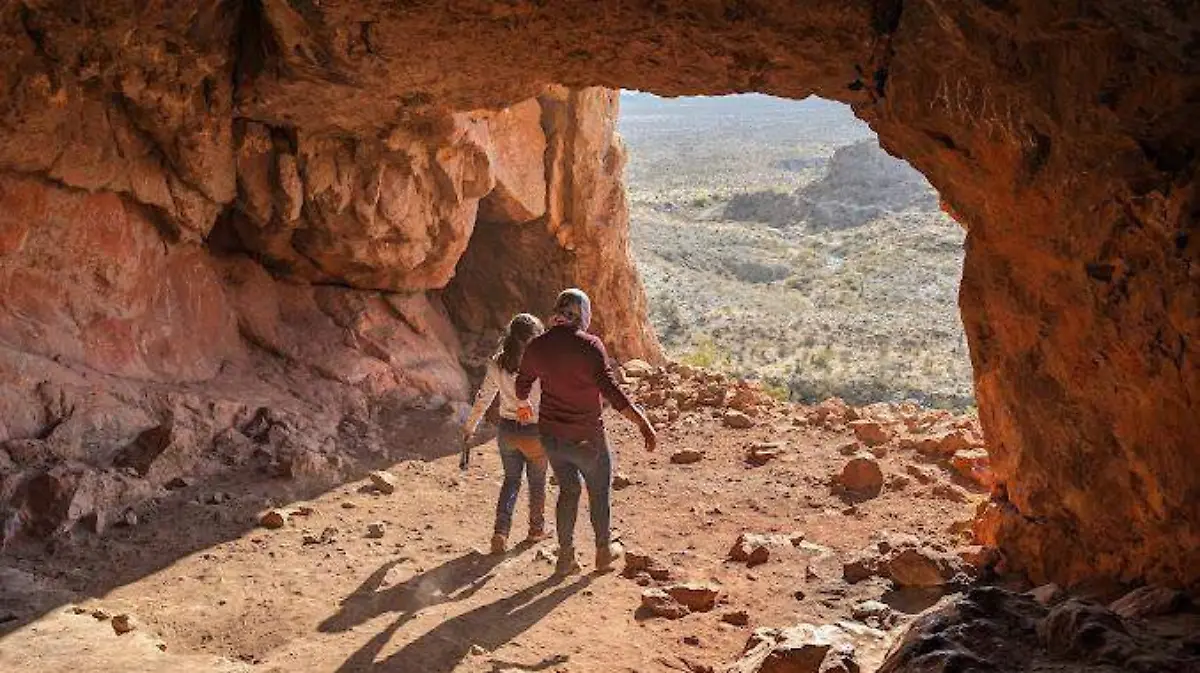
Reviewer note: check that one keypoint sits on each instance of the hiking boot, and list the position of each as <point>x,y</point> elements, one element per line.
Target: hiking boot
<point>607,555</point>
<point>537,535</point>
<point>499,543</point>
<point>566,563</point>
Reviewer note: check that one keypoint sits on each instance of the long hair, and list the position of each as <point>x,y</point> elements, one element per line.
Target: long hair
<point>521,330</point>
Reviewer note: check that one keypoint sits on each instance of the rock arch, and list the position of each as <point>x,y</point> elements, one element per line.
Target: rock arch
<point>1061,134</point>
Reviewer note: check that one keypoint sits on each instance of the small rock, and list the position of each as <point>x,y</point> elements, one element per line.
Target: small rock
<point>128,519</point>
<point>898,482</point>
<point>858,569</point>
<point>123,624</point>
<point>949,492</point>
<point>621,481</point>
<point>348,505</point>
<point>922,474</point>
<point>867,610</point>
<point>977,558</point>
<point>691,640</point>
<point>871,433</point>
<point>695,597</point>
<point>101,614</point>
<point>1047,594</point>
<point>686,456</point>
<point>862,475</point>
<point>750,549</point>
<point>974,464</point>
<point>763,453</point>
<point>384,482</point>
<point>217,498</point>
<point>1150,601</point>
<point>737,420</point>
<point>660,604</point>
<point>850,448</point>
<point>275,518</point>
<point>919,567</point>
<point>638,369</point>
<point>736,618</point>
<point>177,483</point>
<point>799,649</point>
<point>637,564</point>
<point>327,536</point>
<point>375,530</point>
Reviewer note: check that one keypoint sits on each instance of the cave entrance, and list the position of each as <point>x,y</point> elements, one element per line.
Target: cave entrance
<point>778,241</point>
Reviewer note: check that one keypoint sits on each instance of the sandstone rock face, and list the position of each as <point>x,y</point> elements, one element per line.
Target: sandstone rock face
<point>86,277</point>
<point>390,215</point>
<point>1061,135</point>
<point>581,241</point>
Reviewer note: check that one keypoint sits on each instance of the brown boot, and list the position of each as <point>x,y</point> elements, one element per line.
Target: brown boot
<point>566,563</point>
<point>607,555</point>
<point>499,543</point>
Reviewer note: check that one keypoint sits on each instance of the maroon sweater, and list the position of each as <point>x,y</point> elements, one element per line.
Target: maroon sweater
<point>573,368</point>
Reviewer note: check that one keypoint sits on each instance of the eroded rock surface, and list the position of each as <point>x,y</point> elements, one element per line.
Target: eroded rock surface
<point>995,630</point>
<point>1061,135</point>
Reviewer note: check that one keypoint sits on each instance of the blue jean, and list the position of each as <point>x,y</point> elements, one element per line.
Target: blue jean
<point>591,460</point>
<point>515,460</point>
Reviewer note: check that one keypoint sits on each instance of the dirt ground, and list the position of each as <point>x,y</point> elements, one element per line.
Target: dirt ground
<point>209,590</point>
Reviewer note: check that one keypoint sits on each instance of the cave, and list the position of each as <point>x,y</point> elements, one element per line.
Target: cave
<point>315,197</point>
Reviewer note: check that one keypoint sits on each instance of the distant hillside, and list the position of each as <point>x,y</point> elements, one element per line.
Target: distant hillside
<point>861,183</point>
<point>777,240</point>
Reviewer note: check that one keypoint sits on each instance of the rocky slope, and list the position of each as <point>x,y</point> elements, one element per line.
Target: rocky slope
<point>762,537</point>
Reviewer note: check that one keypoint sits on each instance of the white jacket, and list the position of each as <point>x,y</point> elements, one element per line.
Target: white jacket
<point>505,383</point>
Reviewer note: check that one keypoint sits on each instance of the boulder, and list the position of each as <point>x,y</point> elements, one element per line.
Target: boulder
<point>1149,601</point>
<point>799,649</point>
<point>695,597</point>
<point>990,629</point>
<point>870,432</point>
<point>862,476</point>
<point>384,482</point>
<point>753,549</point>
<point>637,563</point>
<point>659,603</point>
<point>974,465</point>
<point>737,420</point>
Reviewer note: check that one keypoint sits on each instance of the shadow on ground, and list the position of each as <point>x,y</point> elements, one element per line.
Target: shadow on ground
<point>486,628</point>
<point>183,522</point>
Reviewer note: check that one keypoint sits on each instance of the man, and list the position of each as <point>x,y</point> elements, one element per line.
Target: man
<point>573,369</point>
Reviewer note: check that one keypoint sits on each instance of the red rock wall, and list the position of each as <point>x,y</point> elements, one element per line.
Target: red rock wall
<point>1061,133</point>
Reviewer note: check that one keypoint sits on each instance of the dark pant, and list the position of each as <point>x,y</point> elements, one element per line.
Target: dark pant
<point>520,451</point>
<point>591,460</point>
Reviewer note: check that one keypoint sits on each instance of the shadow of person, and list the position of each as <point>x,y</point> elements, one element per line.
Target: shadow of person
<point>489,626</point>
<point>454,580</point>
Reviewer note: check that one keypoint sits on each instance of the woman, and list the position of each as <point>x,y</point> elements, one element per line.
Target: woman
<point>520,447</point>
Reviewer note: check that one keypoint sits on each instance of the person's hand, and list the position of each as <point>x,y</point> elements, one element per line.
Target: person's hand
<point>649,436</point>
<point>524,414</point>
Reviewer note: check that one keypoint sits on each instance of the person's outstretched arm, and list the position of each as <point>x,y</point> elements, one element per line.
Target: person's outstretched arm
<point>483,400</point>
<point>607,382</point>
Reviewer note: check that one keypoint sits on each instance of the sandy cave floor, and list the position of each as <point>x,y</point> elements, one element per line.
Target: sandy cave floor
<point>210,591</point>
